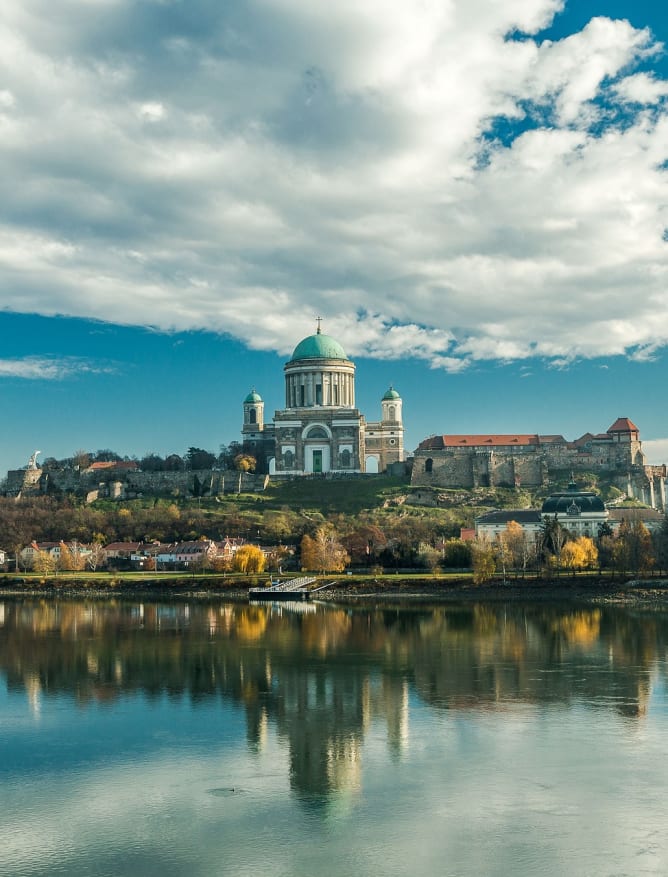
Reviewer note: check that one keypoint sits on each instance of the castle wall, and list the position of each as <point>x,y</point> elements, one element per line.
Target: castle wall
<point>129,484</point>
<point>531,466</point>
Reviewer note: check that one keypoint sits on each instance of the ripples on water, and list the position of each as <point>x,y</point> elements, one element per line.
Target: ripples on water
<point>216,739</point>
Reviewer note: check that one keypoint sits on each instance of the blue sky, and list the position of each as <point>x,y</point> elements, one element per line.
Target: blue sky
<point>471,194</point>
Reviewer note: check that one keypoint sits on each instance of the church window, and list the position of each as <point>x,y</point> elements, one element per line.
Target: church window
<point>317,432</point>
<point>345,458</point>
<point>392,412</point>
<point>253,415</point>
<point>335,393</point>
<point>318,394</point>
<point>303,396</point>
<point>289,458</point>
<point>429,465</point>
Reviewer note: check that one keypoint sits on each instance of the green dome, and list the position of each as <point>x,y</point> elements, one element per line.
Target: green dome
<point>253,396</point>
<point>573,502</point>
<point>391,394</point>
<point>319,346</point>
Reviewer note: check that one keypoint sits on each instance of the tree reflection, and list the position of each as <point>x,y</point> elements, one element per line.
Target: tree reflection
<point>319,677</point>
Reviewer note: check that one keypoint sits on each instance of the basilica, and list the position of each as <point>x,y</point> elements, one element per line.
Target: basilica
<point>320,430</point>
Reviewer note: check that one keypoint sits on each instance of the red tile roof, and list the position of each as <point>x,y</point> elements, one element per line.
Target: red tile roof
<point>467,441</point>
<point>623,424</point>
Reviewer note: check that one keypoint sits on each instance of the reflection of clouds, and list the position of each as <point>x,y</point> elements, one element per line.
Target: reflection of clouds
<point>519,789</point>
<point>161,808</point>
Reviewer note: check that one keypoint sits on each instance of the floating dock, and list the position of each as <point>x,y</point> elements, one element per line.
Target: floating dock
<point>295,589</point>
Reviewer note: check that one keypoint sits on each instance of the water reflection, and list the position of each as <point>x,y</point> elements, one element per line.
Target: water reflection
<point>319,675</point>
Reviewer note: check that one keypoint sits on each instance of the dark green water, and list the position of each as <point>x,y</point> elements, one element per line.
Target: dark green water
<point>218,739</point>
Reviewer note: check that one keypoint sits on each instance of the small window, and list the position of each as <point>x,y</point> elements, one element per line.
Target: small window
<point>289,459</point>
<point>345,459</point>
<point>253,415</point>
<point>429,465</point>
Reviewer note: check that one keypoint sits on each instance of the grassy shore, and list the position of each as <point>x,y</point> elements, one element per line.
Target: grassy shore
<point>459,586</point>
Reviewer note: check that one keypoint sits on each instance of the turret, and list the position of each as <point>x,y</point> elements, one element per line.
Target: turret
<point>253,414</point>
<point>391,406</point>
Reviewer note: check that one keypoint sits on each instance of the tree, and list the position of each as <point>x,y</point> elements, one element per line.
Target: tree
<point>483,560</point>
<point>323,552</point>
<point>552,538</point>
<point>456,554</point>
<point>660,539</point>
<point>196,458</point>
<point>43,563</point>
<point>633,547</point>
<point>152,463</point>
<point>428,556</point>
<point>96,556</point>
<point>249,559</point>
<point>579,553</point>
<point>518,546</point>
<point>244,463</point>
<point>174,463</point>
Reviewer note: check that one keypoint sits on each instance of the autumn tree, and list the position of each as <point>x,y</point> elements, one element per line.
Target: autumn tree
<point>483,560</point>
<point>633,547</point>
<point>323,552</point>
<point>579,553</point>
<point>518,545</point>
<point>249,559</point>
<point>244,463</point>
<point>43,563</point>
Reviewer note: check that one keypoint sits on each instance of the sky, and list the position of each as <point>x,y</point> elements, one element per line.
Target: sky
<point>471,194</point>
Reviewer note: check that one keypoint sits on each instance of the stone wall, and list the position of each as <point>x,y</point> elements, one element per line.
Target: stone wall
<point>472,467</point>
<point>124,484</point>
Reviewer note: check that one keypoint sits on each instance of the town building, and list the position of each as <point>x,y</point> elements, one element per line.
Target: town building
<point>580,512</point>
<point>320,430</point>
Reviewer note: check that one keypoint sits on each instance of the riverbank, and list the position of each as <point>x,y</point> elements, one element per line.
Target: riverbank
<point>354,590</point>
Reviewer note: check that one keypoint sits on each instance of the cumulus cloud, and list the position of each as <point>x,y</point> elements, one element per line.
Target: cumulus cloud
<point>656,451</point>
<point>435,179</point>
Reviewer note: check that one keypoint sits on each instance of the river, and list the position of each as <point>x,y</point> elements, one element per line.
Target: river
<point>210,738</point>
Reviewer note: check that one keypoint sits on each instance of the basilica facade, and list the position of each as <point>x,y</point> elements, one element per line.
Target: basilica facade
<point>320,430</point>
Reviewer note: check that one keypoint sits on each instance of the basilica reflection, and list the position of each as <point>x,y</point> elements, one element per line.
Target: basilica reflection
<point>318,677</point>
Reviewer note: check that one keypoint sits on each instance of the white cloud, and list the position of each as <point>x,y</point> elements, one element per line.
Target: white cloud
<point>340,160</point>
<point>45,369</point>
<point>641,88</point>
<point>656,451</point>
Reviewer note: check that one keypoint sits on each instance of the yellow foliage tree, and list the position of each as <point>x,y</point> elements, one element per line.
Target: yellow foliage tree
<point>579,554</point>
<point>43,563</point>
<point>249,559</point>
<point>323,552</point>
<point>483,560</point>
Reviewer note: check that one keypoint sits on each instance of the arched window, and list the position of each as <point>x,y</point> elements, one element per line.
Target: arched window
<point>289,459</point>
<point>393,412</point>
<point>345,458</point>
<point>429,465</point>
<point>253,415</point>
<point>317,433</point>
